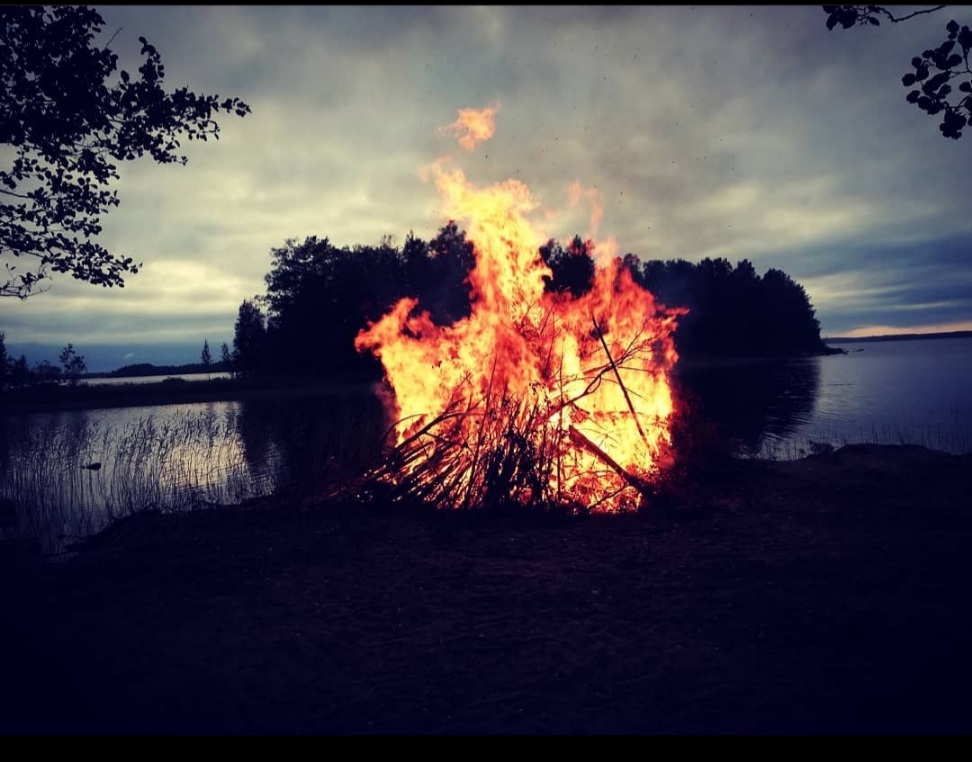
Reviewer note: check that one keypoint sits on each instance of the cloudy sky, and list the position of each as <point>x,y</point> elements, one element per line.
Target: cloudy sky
<point>739,132</point>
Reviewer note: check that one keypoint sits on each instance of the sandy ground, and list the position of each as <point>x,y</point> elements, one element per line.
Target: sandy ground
<point>827,595</point>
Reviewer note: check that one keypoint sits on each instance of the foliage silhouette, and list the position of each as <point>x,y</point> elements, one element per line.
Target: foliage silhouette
<point>733,311</point>
<point>572,268</point>
<point>933,70</point>
<point>72,364</point>
<point>225,357</point>
<point>249,339</point>
<point>320,296</point>
<point>68,122</point>
<point>206,357</point>
<point>4,362</point>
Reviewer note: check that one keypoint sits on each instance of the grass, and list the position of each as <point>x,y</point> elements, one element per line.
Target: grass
<point>202,456</point>
<point>287,444</point>
<point>952,438</point>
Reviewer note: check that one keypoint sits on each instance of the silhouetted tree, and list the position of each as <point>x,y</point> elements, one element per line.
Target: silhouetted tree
<point>225,357</point>
<point>319,297</point>
<point>785,314</point>
<point>572,268</point>
<point>44,373</point>
<point>206,357</point>
<point>452,259</point>
<point>66,125</point>
<point>732,311</point>
<point>417,267</point>
<point>932,71</point>
<point>249,339</point>
<point>4,362</point>
<point>72,364</point>
<point>19,371</point>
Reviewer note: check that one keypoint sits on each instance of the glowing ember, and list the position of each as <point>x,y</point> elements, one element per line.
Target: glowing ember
<point>534,397</point>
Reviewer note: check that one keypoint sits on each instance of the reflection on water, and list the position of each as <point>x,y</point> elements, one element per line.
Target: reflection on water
<point>753,403</point>
<point>313,441</point>
<point>72,473</point>
<point>889,392</point>
<point>180,457</point>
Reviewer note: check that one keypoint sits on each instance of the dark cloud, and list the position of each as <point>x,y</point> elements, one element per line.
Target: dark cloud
<point>743,132</point>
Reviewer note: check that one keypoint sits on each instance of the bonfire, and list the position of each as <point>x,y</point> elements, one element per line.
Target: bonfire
<point>536,398</point>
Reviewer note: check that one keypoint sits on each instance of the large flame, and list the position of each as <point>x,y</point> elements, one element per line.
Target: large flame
<point>551,397</point>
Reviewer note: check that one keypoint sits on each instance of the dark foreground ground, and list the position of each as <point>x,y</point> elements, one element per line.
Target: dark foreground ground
<point>828,595</point>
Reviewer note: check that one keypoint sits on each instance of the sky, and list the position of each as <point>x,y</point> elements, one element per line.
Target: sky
<point>746,132</point>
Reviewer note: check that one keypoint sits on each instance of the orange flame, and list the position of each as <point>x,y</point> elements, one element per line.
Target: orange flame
<point>473,126</point>
<point>590,373</point>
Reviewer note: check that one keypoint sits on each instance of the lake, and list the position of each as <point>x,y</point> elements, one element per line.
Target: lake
<point>111,380</point>
<point>884,392</point>
<point>73,472</point>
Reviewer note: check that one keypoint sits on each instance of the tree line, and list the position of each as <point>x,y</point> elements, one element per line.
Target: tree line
<point>319,296</point>
<point>16,372</point>
<point>72,367</point>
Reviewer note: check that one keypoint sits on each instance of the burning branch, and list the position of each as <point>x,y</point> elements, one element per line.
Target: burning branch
<point>617,373</point>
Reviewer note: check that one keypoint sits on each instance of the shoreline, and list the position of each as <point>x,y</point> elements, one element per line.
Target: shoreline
<point>826,595</point>
<point>177,391</point>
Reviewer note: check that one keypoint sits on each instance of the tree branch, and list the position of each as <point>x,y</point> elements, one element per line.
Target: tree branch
<point>112,38</point>
<point>895,19</point>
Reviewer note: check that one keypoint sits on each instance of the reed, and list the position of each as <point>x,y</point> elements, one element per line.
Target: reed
<point>949,438</point>
<point>70,481</point>
<point>185,458</point>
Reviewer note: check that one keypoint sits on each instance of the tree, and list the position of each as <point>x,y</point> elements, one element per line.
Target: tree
<point>933,71</point>
<point>225,357</point>
<point>67,122</point>
<point>249,339</point>
<point>44,372</point>
<point>19,372</point>
<point>320,296</point>
<point>573,268</point>
<point>72,364</point>
<point>453,258</point>
<point>4,362</point>
<point>206,356</point>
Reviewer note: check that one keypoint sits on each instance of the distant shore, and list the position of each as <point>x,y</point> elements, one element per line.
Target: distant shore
<point>899,337</point>
<point>170,392</point>
<point>175,390</point>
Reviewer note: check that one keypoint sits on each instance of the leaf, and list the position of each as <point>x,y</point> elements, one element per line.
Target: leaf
<point>952,27</point>
<point>965,87</point>
<point>935,82</point>
<point>913,96</point>
<point>873,21</point>
<point>908,80</point>
<point>965,39</point>
<point>916,62</point>
<point>954,60</point>
<point>832,21</point>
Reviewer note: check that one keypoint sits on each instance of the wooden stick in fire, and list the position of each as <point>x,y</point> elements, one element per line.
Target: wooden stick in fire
<point>624,389</point>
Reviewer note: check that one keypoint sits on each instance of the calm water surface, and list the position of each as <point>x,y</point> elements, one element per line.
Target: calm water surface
<point>887,392</point>
<point>194,455</point>
<point>154,379</point>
